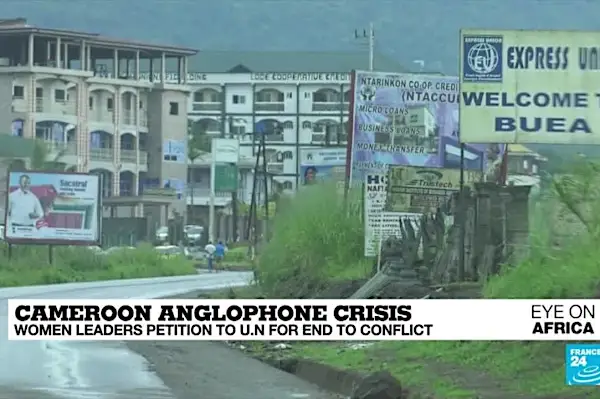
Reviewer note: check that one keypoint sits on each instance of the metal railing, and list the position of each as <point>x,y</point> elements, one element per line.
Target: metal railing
<point>273,107</point>
<point>275,167</point>
<point>101,116</point>
<point>208,106</point>
<point>102,154</point>
<point>66,107</point>
<point>128,117</point>
<point>328,107</point>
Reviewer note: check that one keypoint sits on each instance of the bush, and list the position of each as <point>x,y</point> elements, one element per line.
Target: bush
<point>238,254</point>
<point>565,256</point>
<point>29,265</point>
<point>315,238</point>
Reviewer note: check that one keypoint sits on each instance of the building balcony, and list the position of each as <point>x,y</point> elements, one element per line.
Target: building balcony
<point>105,154</point>
<point>61,148</point>
<point>207,106</point>
<point>269,106</point>
<point>130,156</point>
<point>274,137</point>
<point>318,138</point>
<point>101,117</point>
<point>328,107</point>
<point>128,117</point>
<point>199,195</point>
<point>143,118</point>
<point>47,106</point>
<point>275,167</point>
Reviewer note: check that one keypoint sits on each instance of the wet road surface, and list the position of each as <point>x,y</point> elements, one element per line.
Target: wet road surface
<point>138,370</point>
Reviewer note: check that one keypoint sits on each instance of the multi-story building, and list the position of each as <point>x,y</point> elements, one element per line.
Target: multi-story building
<point>82,93</point>
<point>297,99</point>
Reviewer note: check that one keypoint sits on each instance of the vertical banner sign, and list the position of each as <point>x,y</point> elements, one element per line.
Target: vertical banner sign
<point>423,190</point>
<point>322,164</point>
<point>226,177</point>
<point>410,120</point>
<point>520,86</point>
<point>378,223</point>
<point>53,208</point>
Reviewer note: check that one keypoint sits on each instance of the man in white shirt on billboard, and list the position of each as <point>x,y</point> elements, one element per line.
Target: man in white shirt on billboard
<point>24,207</point>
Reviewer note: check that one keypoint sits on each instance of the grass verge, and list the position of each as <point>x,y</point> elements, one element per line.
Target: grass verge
<point>316,241</point>
<point>29,265</point>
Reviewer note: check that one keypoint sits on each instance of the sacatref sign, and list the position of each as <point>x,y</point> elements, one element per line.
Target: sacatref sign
<point>520,86</point>
<point>53,208</point>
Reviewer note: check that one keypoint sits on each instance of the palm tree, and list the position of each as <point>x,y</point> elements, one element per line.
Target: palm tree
<point>198,144</point>
<point>38,160</point>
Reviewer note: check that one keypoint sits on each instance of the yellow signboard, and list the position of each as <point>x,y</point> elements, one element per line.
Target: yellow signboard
<point>529,86</point>
<point>421,190</point>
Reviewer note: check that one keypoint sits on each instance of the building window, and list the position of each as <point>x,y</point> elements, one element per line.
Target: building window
<point>326,96</point>
<point>206,96</point>
<point>238,130</point>
<point>141,105</point>
<point>59,95</point>
<point>109,104</point>
<point>173,108</point>
<point>237,99</point>
<point>290,94</point>
<point>307,95</point>
<point>269,96</point>
<point>91,102</point>
<point>18,92</point>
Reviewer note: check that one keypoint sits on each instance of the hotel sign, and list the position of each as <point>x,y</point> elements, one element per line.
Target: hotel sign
<point>258,78</point>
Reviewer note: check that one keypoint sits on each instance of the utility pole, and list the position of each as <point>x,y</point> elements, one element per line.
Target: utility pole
<point>370,36</point>
<point>234,197</point>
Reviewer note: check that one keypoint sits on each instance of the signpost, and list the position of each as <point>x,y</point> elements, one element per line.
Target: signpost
<point>223,169</point>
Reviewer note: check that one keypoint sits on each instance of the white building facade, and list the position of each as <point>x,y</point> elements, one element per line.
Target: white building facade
<point>294,110</point>
<point>83,95</point>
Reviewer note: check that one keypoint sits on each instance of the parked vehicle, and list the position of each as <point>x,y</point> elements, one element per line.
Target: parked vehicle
<point>193,235</point>
<point>162,235</point>
<point>169,251</point>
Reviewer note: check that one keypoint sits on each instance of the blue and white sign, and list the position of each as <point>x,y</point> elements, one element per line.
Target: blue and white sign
<point>483,58</point>
<point>528,86</point>
<point>582,364</point>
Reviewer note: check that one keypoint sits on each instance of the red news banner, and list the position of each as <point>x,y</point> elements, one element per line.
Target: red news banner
<point>303,320</point>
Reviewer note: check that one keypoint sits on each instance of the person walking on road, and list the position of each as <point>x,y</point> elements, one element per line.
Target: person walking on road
<point>219,253</point>
<point>210,252</point>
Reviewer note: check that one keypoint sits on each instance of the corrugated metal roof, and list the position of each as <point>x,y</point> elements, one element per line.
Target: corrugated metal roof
<point>289,61</point>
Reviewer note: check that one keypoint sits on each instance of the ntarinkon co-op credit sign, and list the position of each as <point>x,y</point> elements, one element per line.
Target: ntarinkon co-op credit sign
<point>530,87</point>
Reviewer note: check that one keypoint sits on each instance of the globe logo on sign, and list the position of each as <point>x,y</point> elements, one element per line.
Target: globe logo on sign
<point>482,58</point>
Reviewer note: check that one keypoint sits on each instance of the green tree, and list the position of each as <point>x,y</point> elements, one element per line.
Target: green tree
<point>198,144</point>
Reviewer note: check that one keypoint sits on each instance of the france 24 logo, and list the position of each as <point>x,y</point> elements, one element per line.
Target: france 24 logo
<point>482,58</point>
<point>582,364</point>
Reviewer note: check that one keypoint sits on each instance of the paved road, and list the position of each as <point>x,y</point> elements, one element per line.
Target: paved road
<point>111,370</point>
<point>90,370</point>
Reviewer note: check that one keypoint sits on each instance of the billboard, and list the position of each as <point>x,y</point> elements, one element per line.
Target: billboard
<point>520,86</point>
<point>226,150</point>
<point>53,208</point>
<point>423,190</point>
<point>322,164</point>
<point>380,224</point>
<point>401,119</point>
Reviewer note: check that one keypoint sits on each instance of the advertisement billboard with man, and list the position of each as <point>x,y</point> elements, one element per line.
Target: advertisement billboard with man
<point>53,208</point>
